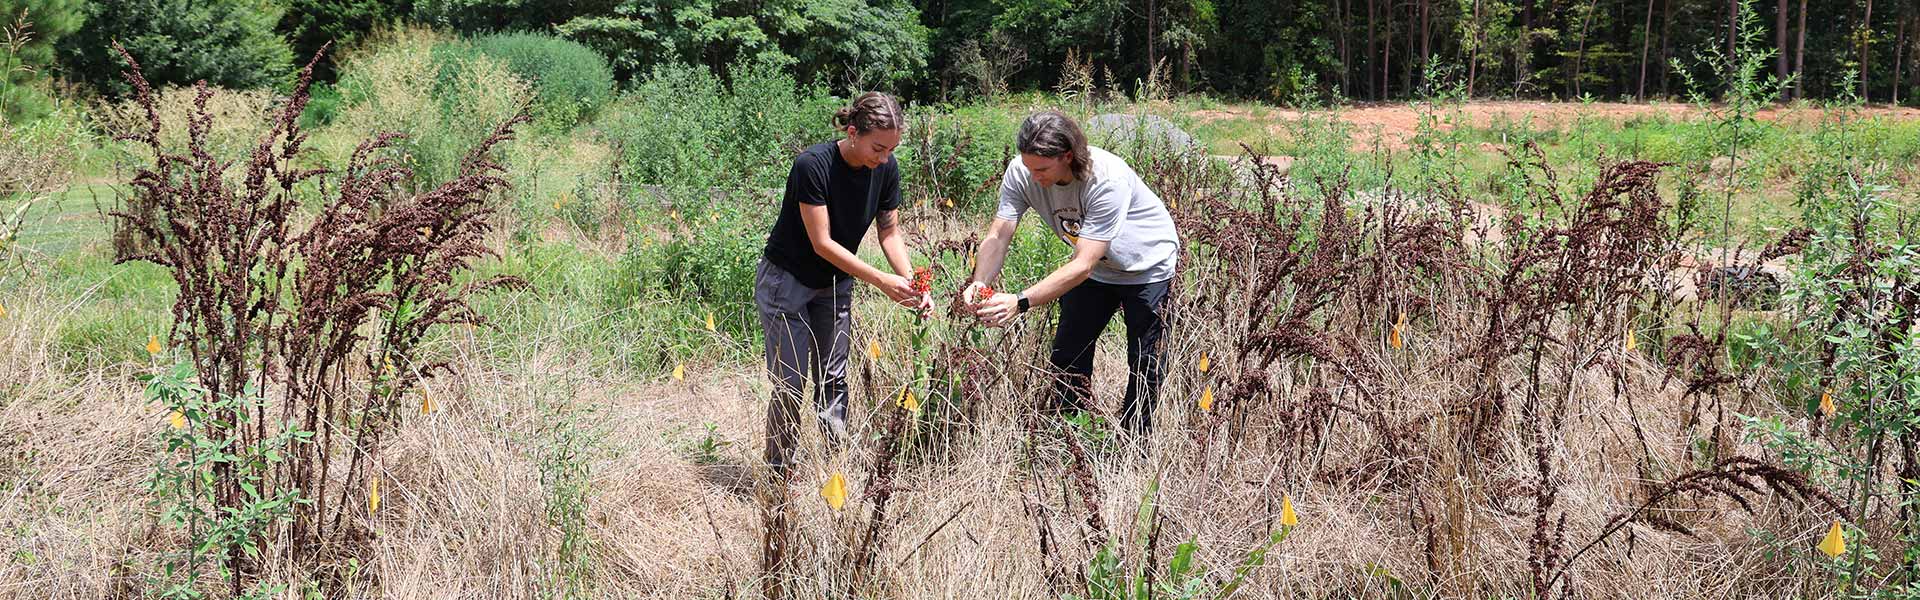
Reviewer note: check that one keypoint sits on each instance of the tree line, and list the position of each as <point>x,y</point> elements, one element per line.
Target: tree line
<point>1285,51</point>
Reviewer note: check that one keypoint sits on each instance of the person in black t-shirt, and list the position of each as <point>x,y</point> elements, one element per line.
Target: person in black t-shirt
<point>804,286</point>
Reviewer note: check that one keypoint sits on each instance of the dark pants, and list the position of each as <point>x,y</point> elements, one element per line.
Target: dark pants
<point>806,334</point>
<point>1084,312</point>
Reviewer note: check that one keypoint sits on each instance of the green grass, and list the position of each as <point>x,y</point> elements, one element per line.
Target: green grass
<point>1762,201</point>
<point>104,312</point>
<point>610,306</point>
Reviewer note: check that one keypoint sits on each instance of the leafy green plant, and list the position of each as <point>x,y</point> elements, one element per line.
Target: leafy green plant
<point>1183,579</point>
<point>952,160</point>
<point>685,127</point>
<point>437,90</point>
<point>705,449</point>
<point>199,442</point>
<point>1735,128</point>
<point>570,442</point>
<point>570,81</point>
<point>1846,352</point>
<point>668,281</point>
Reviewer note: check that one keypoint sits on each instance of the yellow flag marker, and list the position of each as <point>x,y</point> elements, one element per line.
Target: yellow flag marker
<point>389,370</point>
<point>179,421</point>
<point>947,201</point>
<point>835,491</point>
<point>426,402</point>
<point>713,217</point>
<point>679,372</point>
<point>1394,339</point>
<point>3,311</point>
<point>1287,518</point>
<point>426,232</point>
<point>1206,399</point>
<point>373,495</point>
<point>675,213</point>
<point>1631,341</point>
<point>709,320</point>
<point>1836,542</point>
<point>908,401</point>
<point>153,344</point>
<point>873,349</point>
<point>1826,403</point>
<point>1205,364</point>
<point>556,204</point>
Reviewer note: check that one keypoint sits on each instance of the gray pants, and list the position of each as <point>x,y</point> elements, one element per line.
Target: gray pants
<point>806,333</point>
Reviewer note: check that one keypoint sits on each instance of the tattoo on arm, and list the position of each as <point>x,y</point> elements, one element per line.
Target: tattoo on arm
<point>887,219</point>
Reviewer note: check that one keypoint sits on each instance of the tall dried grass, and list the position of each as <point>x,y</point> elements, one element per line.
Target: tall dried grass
<point>1482,455</point>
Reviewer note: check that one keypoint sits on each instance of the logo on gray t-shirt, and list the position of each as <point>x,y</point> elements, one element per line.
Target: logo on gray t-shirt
<point>1111,205</point>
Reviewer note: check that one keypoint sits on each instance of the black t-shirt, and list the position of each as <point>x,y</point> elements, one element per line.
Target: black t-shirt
<point>853,197</point>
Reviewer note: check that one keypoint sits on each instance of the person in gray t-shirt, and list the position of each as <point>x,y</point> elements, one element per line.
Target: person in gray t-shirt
<point>1125,249</point>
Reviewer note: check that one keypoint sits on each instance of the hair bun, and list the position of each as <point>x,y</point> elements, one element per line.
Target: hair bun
<point>870,111</point>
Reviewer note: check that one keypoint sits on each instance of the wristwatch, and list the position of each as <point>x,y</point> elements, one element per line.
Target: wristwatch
<point>1023,303</point>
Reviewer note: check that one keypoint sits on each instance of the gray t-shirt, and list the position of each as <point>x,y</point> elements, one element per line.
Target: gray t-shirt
<point>1111,205</point>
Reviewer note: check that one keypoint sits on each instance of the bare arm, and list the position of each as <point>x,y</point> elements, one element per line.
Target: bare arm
<point>993,250</point>
<point>892,243</point>
<point>816,219</point>
<point>1003,307</point>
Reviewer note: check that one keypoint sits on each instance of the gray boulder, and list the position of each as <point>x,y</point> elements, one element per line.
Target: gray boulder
<point>1126,130</point>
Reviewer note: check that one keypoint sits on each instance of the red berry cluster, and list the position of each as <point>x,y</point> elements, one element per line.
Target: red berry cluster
<point>922,280</point>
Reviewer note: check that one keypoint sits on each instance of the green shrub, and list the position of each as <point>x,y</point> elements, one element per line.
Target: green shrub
<point>467,95</point>
<point>309,24</point>
<point>957,154</point>
<point>32,28</point>
<point>695,257</point>
<point>683,126</point>
<point>570,80</point>
<point>228,43</point>
<point>323,106</point>
<point>1845,348</point>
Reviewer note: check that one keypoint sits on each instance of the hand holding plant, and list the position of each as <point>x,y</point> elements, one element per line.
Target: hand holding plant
<point>898,289</point>
<point>997,309</point>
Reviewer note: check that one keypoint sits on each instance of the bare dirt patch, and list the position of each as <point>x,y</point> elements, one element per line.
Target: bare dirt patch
<point>1393,123</point>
